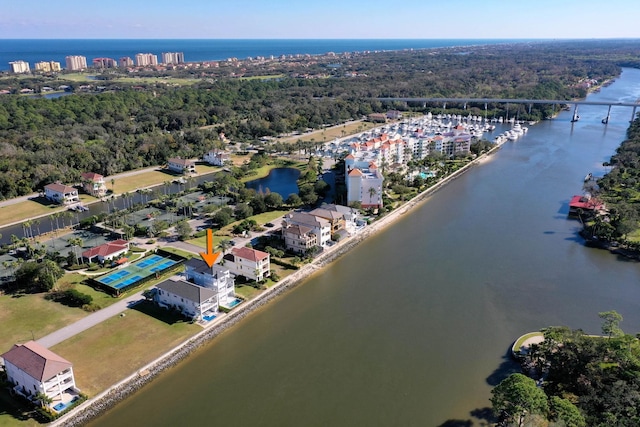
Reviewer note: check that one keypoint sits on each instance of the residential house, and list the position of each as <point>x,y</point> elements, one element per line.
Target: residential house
<point>377,117</point>
<point>250,263</point>
<point>217,158</point>
<point>335,218</point>
<point>216,277</point>
<point>106,251</point>
<point>191,300</point>
<point>93,184</point>
<point>34,370</point>
<point>179,165</point>
<point>320,226</point>
<point>299,238</point>
<point>352,217</point>
<point>60,193</point>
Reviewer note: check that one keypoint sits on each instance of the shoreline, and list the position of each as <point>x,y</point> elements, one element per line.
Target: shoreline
<point>96,406</point>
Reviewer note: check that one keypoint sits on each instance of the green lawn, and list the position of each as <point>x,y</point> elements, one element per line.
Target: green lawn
<point>179,252</point>
<point>27,316</point>
<point>22,211</point>
<point>127,342</point>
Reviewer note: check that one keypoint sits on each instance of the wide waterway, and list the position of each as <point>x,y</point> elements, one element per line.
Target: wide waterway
<point>412,327</point>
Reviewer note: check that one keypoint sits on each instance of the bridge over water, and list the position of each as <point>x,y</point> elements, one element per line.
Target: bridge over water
<point>528,102</point>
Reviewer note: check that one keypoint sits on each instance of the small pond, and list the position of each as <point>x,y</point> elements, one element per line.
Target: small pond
<point>280,180</point>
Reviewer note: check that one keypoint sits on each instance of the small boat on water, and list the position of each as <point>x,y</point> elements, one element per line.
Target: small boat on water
<point>588,177</point>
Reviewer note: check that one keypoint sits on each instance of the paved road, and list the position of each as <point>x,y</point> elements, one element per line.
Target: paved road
<point>107,179</point>
<point>89,321</point>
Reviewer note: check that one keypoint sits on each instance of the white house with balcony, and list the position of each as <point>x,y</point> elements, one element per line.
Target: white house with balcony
<point>178,165</point>
<point>217,278</point>
<point>299,238</point>
<point>319,226</point>
<point>60,193</point>
<point>34,370</point>
<point>93,184</point>
<point>191,300</point>
<point>250,263</point>
<point>217,158</point>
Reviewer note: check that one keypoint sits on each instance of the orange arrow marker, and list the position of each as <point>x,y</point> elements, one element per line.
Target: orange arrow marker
<point>210,256</point>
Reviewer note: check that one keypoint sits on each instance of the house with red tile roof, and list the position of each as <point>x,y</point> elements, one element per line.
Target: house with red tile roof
<point>93,184</point>
<point>250,263</point>
<point>179,165</point>
<point>106,251</point>
<point>32,369</point>
<point>61,193</point>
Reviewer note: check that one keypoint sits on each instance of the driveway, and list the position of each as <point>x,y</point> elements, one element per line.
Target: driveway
<point>89,321</point>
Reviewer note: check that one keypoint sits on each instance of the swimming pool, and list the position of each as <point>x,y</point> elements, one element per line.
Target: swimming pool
<point>234,302</point>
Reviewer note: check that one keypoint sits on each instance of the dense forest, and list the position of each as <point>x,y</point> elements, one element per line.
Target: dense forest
<point>620,190</point>
<point>582,380</point>
<point>130,126</point>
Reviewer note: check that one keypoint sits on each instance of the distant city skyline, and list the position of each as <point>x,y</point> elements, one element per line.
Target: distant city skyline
<point>274,19</point>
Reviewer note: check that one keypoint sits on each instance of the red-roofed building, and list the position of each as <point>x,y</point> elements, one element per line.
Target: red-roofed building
<point>61,193</point>
<point>250,263</point>
<point>93,183</point>
<point>585,204</point>
<point>107,251</point>
<point>179,165</point>
<point>33,369</point>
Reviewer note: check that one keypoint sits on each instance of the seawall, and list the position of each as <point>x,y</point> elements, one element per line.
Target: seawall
<point>106,400</point>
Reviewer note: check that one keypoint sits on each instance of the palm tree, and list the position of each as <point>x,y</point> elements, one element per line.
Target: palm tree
<point>44,400</point>
<point>373,192</point>
<point>37,224</point>
<point>75,243</point>
<point>25,227</point>
<point>113,181</point>
<point>224,245</point>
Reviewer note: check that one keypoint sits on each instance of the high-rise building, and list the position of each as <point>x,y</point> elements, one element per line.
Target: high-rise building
<point>125,62</point>
<point>144,59</point>
<point>173,57</point>
<point>104,63</point>
<point>76,62</point>
<point>47,66</point>
<point>19,67</point>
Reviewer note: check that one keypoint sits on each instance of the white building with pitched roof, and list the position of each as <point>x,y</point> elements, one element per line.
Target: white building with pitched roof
<point>33,369</point>
<point>190,299</point>
<point>61,193</point>
<point>250,263</point>
<point>217,278</point>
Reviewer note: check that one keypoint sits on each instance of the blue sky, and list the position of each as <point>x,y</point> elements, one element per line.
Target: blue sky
<point>424,19</point>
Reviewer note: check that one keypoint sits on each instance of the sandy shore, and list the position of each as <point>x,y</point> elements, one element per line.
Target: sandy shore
<point>99,404</point>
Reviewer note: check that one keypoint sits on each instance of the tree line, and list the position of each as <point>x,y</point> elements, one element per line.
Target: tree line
<point>575,380</point>
<point>132,126</point>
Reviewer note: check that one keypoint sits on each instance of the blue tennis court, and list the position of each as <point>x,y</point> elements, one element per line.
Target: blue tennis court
<point>136,271</point>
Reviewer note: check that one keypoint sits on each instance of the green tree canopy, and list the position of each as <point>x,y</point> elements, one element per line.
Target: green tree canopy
<point>516,397</point>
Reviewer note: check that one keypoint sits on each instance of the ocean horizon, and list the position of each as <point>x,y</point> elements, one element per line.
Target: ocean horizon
<point>197,50</point>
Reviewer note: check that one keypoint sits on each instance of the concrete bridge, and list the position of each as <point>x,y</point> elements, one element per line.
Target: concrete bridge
<point>528,102</point>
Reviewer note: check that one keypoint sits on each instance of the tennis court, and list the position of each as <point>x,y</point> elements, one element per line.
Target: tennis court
<point>135,272</point>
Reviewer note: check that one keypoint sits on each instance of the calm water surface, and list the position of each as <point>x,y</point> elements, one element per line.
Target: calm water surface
<point>280,180</point>
<point>412,328</point>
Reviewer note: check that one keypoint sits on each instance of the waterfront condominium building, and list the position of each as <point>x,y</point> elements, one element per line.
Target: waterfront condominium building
<point>19,67</point>
<point>125,62</point>
<point>172,57</point>
<point>104,63</point>
<point>76,62</point>
<point>144,59</point>
<point>47,66</point>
